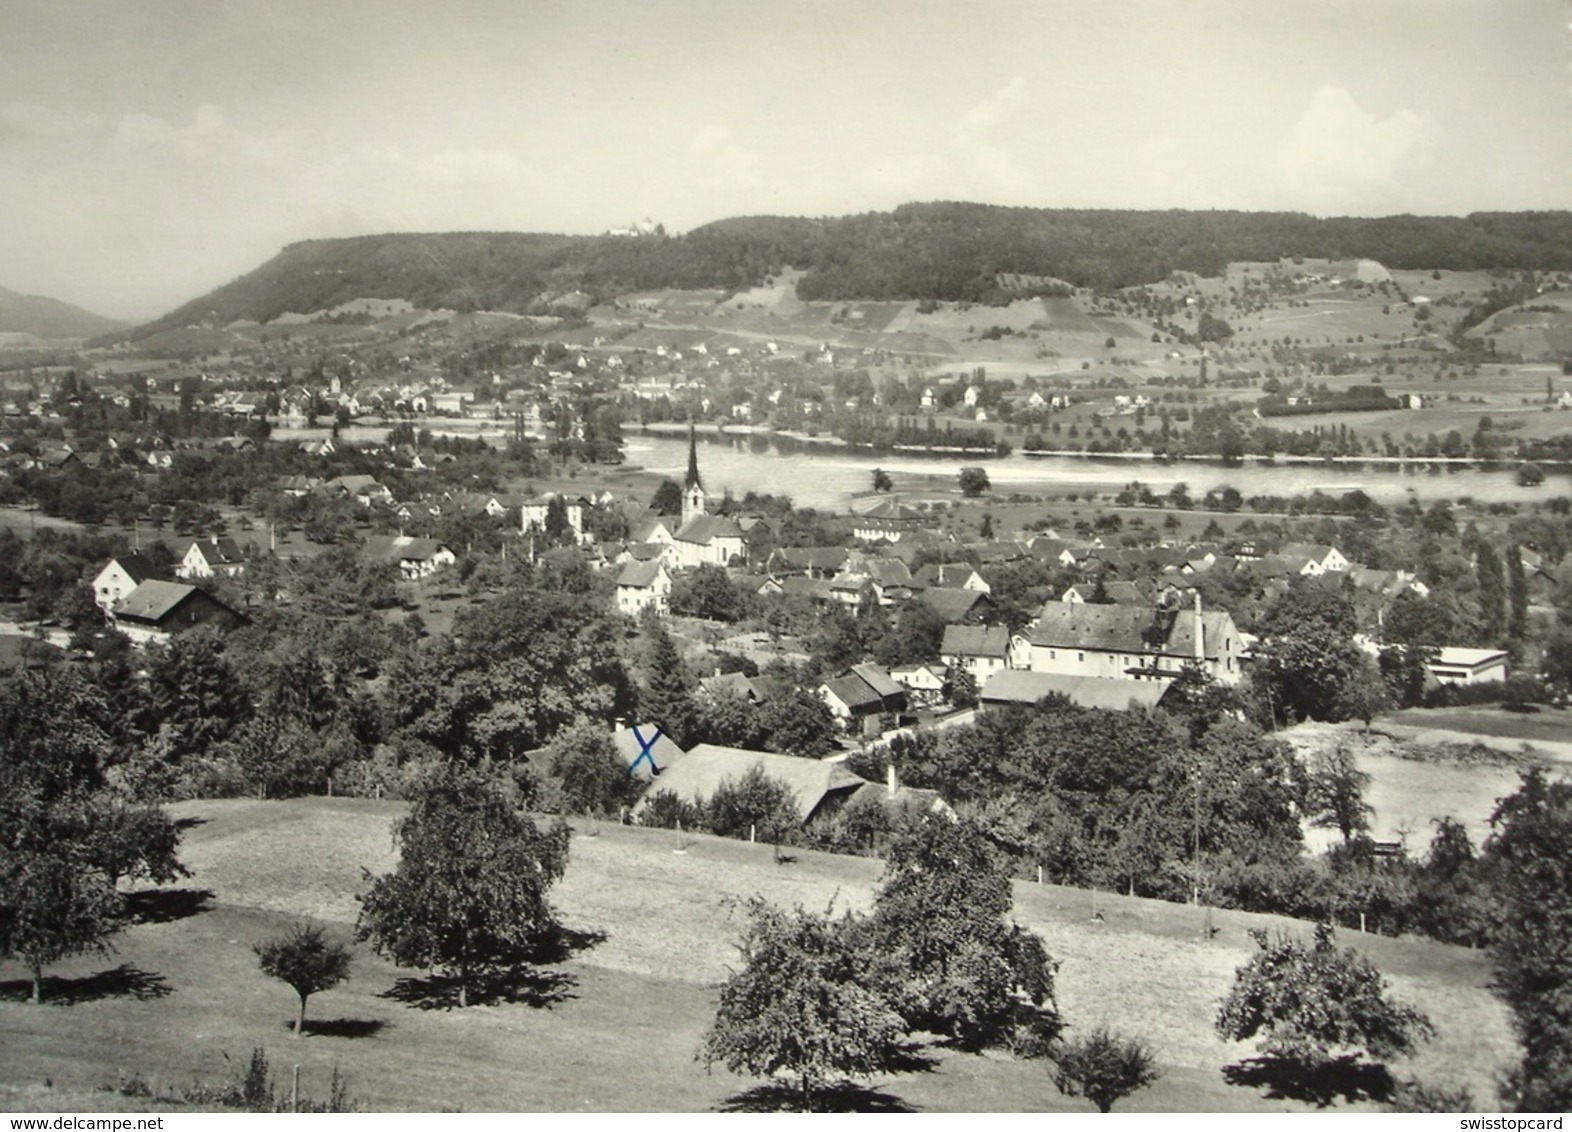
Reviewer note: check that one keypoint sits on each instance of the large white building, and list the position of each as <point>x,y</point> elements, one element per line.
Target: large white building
<point>1129,642</point>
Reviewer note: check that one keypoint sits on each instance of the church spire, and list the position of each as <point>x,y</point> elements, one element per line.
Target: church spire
<point>692,479</point>
<point>692,489</point>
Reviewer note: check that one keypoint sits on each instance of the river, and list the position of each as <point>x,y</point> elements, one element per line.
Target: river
<point>830,478</point>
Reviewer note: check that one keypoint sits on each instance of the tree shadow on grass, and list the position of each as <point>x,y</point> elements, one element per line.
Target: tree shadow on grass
<point>1318,1083</point>
<point>163,905</point>
<point>564,943</point>
<point>528,985</point>
<point>124,981</point>
<point>784,1096</point>
<point>183,824</point>
<point>341,1027</point>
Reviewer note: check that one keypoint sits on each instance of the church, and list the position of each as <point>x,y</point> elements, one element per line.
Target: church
<point>702,539</point>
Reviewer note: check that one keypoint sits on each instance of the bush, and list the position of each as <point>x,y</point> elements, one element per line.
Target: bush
<point>1513,690</point>
<point>1103,1067</point>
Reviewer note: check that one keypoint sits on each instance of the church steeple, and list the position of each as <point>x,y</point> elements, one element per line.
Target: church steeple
<point>692,479</point>
<point>692,487</point>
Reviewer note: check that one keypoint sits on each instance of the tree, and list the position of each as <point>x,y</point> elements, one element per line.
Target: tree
<point>667,699</point>
<point>667,499</point>
<point>63,835</point>
<point>590,773</point>
<point>754,805</point>
<point>940,914</point>
<point>973,481</point>
<point>800,1005</point>
<point>1103,1067</point>
<point>1492,591</point>
<point>797,722</point>
<point>963,689</point>
<point>1337,793</point>
<point>882,481</point>
<point>1309,1002</point>
<point>469,893</point>
<point>1307,654</point>
<point>1530,853</point>
<point>307,960</point>
<point>1517,593</point>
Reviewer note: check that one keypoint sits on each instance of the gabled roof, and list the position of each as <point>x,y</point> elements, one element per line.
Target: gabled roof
<point>138,567</point>
<point>953,605</point>
<point>854,693</point>
<point>631,743</point>
<point>402,548</point>
<point>976,640</point>
<point>811,557</point>
<point>700,772</point>
<point>705,529</point>
<point>640,575</point>
<point>732,684</point>
<point>154,601</point>
<point>1020,686</point>
<point>878,679</point>
<point>1117,592</point>
<point>891,512</point>
<point>947,576</point>
<point>1123,628</point>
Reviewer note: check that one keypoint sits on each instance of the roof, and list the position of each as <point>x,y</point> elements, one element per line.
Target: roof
<point>154,600</point>
<point>1468,658</point>
<point>641,575</point>
<point>700,772</point>
<point>138,567</point>
<point>878,679</point>
<point>731,684</point>
<point>1020,686</point>
<point>402,548</point>
<point>631,743</point>
<point>854,693</point>
<point>951,576</point>
<point>812,557</point>
<point>889,511</point>
<point>953,605</point>
<point>1117,592</point>
<point>975,640</point>
<point>1122,628</point>
<point>708,528</point>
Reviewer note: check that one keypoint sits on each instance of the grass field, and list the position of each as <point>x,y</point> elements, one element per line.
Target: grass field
<point>617,1025</point>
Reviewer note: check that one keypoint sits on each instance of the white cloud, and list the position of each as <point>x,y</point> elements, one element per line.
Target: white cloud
<point>985,160</point>
<point>716,161</point>
<point>1340,158</point>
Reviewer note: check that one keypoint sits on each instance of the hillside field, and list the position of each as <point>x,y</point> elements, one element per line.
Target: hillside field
<point>617,1025</point>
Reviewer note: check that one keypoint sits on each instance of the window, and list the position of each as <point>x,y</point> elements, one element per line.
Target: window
<point>1080,656</point>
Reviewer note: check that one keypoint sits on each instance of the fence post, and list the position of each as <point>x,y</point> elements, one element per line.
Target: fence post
<point>294,1092</point>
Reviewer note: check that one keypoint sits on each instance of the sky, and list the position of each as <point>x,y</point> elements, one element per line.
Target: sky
<point>151,150</point>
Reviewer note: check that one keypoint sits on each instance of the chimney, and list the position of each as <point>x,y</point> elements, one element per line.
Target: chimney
<point>890,784</point>
<point>1200,631</point>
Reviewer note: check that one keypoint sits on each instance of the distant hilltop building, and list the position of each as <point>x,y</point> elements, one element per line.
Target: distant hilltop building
<point>645,227</point>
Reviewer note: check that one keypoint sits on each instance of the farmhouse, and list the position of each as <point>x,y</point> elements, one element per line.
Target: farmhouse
<point>215,556</point>
<point>119,577</point>
<point>858,697</point>
<point>645,750</point>
<point>817,788</point>
<point>1018,688</point>
<point>157,610</point>
<point>414,557</point>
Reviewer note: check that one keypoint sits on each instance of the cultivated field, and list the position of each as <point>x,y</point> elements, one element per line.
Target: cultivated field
<point>615,1027</point>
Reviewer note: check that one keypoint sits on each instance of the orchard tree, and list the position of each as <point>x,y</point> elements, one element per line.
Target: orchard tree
<point>940,915</point>
<point>973,482</point>
<point>801,1004</point>
<point>1103,1067</point>
<point>1337,793</point>
<point>1307,657</point>
<point>1306,1003</point>
<point>882,481</point>
<point>1530,856</point>
<point>469,893</point>
<point>307,960</point>
<point>668,697</point>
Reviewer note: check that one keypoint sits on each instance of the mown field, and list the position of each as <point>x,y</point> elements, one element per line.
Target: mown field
<point>615,1027</point>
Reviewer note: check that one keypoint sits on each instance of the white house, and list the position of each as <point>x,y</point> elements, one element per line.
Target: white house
<point>980,650</point>
<point>119,577</point>
<point>642,585</point>
<point>1129,642</point>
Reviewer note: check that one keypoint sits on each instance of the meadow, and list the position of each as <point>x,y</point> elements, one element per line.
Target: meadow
<point>615,1027</point>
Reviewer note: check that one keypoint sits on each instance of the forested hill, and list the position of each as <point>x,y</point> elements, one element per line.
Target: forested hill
<point>946,251</point>
<point>49,318</point>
